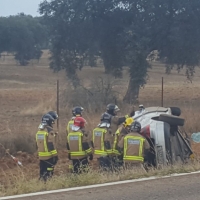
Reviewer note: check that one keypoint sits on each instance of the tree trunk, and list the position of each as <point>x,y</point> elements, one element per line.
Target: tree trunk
<point>132,92</point>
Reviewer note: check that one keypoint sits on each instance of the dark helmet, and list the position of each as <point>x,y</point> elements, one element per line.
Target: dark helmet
<point>136,126</point>
<point>112,108</point>
<point>53,114</point>
<point>47,119</point>
<point>77,110</point>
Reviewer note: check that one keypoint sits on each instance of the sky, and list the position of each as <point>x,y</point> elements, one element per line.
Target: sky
<point>13,7</point>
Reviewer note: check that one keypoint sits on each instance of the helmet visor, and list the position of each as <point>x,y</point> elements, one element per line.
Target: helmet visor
<point>116,108</point>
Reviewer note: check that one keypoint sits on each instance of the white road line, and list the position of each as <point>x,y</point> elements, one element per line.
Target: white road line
<point>96,186</point>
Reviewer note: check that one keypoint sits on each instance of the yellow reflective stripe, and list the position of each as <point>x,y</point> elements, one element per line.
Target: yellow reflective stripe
<point>43,154</point>
<point>103,153</point>
<point>110,151</point>
<point>139,157</point>
<point>125,146</point>
<point>89,150</point>
<point>49,169</point>
<point>141,147</point>
<point>116,152</point>
<point>54,152</point>
<point>45,144</point>
<point>115,140</point>
<point>80,142</point>
<point>102,142</point>
<point>78,153</point>
<point>68,125</point>
<point>117,132</point>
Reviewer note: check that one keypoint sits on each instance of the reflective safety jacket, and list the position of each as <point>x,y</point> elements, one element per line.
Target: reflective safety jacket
<point>45,140</point>
<point>98,138</point>
<point>121,132</point>
<point>114,121</point>
<point>77,146</point>
<point>133,145</point>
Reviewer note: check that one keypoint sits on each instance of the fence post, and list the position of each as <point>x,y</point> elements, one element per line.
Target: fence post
<point>58,104</point>
<point>162,93</point>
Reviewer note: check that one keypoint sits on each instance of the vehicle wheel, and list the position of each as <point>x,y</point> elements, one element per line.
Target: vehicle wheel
<point>175,111</point>
<point>172,120</point>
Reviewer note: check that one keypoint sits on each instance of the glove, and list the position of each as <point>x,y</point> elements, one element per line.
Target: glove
<point>91,157</point>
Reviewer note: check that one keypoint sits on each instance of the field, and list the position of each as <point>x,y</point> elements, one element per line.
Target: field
<point>26,93</point>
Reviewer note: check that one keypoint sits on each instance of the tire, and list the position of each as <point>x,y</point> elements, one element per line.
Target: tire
<point>172,120</point>
<point>175,111</point>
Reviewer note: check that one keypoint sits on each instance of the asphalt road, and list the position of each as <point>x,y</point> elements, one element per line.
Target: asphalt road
<point>174,188</point>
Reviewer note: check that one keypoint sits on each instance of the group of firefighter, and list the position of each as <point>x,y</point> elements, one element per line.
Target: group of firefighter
<point>116,142</point>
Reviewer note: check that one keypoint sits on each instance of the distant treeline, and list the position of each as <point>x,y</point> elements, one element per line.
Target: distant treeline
<point>24,36</point>
<point>120,32</point>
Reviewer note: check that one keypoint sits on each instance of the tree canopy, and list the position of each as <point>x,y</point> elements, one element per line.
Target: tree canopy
<point>24,36</point>
<point>123,33</point>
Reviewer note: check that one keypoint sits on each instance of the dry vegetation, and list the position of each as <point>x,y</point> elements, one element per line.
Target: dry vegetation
<point>23,183</point>
<point>27,92</point>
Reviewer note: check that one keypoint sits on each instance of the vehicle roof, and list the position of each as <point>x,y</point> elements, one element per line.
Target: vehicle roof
<point>156,109</point>
<point>151,110</point>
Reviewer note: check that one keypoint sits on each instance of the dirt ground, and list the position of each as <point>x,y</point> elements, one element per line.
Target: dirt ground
<point>27,92</point>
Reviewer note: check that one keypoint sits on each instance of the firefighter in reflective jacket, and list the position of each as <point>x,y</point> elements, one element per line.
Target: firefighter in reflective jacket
<point>79,146</point>
<point>100,146</point>
<point>46,144</point>
<point>121,132</point>
<point>133,146</point>
<point>110,121</point>
<point>76,112</point>
<point>111,117</point>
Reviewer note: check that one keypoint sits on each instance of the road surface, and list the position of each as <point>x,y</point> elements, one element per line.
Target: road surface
<point>174,188</point>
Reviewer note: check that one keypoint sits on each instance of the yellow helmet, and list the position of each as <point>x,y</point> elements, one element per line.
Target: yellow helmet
<point>128,121</point>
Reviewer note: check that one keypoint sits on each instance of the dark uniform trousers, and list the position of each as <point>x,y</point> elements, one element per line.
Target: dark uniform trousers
<point>104,163</point>
<point>80,165</point>
<point>47,168</point>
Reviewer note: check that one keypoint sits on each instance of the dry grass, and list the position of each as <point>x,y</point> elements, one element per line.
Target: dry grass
<point>41,108</point>
<point>15,143</point>
<point>20,184</point>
